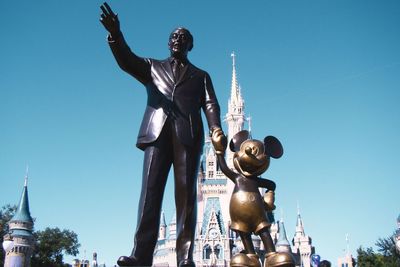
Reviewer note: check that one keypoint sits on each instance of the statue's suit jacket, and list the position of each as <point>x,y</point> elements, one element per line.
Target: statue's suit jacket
<point>180,99</point>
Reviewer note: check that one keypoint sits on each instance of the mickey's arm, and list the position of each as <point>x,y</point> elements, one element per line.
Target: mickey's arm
<point>269,196</point>
<point>225,169</point>
<point>265,183</point>
<point>219,142</point>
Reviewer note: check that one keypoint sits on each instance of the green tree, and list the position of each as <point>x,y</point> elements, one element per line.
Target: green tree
<point>368,258</point>
<point>387,247</point>
<point>6,213</point>
<point>51,245</point>
<point>387,256</point>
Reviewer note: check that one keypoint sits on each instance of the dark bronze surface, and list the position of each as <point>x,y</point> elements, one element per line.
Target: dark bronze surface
<point>238,139</point>
<point>171,133</point>
<point>273,147</point>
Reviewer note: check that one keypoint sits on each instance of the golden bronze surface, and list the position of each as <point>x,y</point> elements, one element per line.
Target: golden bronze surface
<point>247,207</point>
<point>279,259</point>
<point>245,260</point>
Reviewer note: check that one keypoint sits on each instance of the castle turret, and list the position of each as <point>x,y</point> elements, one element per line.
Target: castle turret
<point>94,262</point>
<point>302,243</point>
<point>18,242</point>
<point>282,245</point>
<point>162,233</point>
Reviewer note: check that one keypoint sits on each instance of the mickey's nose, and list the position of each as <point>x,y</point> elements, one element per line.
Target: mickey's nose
<point>248,150</point>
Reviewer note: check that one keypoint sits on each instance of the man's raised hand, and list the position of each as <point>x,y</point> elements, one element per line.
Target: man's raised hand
<point>110,20</point>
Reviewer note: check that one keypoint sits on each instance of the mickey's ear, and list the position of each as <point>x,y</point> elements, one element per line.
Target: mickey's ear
<point>238,139</point>
<point>273,147</point>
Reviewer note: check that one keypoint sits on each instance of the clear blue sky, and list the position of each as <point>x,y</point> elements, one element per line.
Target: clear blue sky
<point>323,76</point>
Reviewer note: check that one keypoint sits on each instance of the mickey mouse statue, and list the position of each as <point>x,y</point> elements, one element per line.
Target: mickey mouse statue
<point>247,207</point>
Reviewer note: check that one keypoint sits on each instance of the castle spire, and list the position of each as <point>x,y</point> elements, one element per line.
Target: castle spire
<point>235,91</point>
<point>162,231</point>
<point>23,214</point>
<point>162,219</point>
<point>299,223</point>
<point>235,117</point>
<point>302,244</point>
<point>347,245</point>
<point>236,100</point>
<point>282,244</point>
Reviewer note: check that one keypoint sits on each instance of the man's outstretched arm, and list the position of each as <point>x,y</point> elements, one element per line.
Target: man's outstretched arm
<point>110,21</point>
<point>126,59</point>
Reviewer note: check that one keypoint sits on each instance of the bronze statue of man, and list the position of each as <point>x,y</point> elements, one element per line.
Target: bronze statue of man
<point>171,133</point>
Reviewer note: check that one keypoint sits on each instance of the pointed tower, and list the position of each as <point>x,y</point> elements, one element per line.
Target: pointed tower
<point>235,117</point>
<point>302,243</point>
<point>162,233</point>
<point>18,243</point>
<point>282,245</point>
<point>94,262</point>
<point>347,260</point>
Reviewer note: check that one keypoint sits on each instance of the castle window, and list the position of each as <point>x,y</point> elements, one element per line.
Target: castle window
<point>211,174</point>
<point>219,251</point>
<point>211,163</point>
<point>207,252</point>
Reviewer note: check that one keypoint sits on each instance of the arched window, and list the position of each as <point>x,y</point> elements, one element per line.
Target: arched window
<point>219,251</point>
<point>207,252</point>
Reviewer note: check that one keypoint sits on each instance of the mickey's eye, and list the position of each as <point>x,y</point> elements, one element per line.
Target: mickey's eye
<point>255,150</point>
<point>251,150</point>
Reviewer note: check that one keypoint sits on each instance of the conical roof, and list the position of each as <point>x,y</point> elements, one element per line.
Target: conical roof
<point>282,240</point>
<point>23,214</point>
<point>162,219</point>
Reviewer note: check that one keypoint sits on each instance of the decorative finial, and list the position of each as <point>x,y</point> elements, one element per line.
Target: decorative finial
<point>298,208</point>
<point>233,58</point>
<point>26,176</point>
<point>347,244</point>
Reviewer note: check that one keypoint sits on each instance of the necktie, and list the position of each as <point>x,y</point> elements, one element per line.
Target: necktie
<point>176,69</point>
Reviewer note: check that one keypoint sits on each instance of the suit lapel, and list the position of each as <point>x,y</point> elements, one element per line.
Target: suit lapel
<point>166,65</point>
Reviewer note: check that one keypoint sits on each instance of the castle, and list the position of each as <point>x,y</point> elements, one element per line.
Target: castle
<point>215,242</point>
